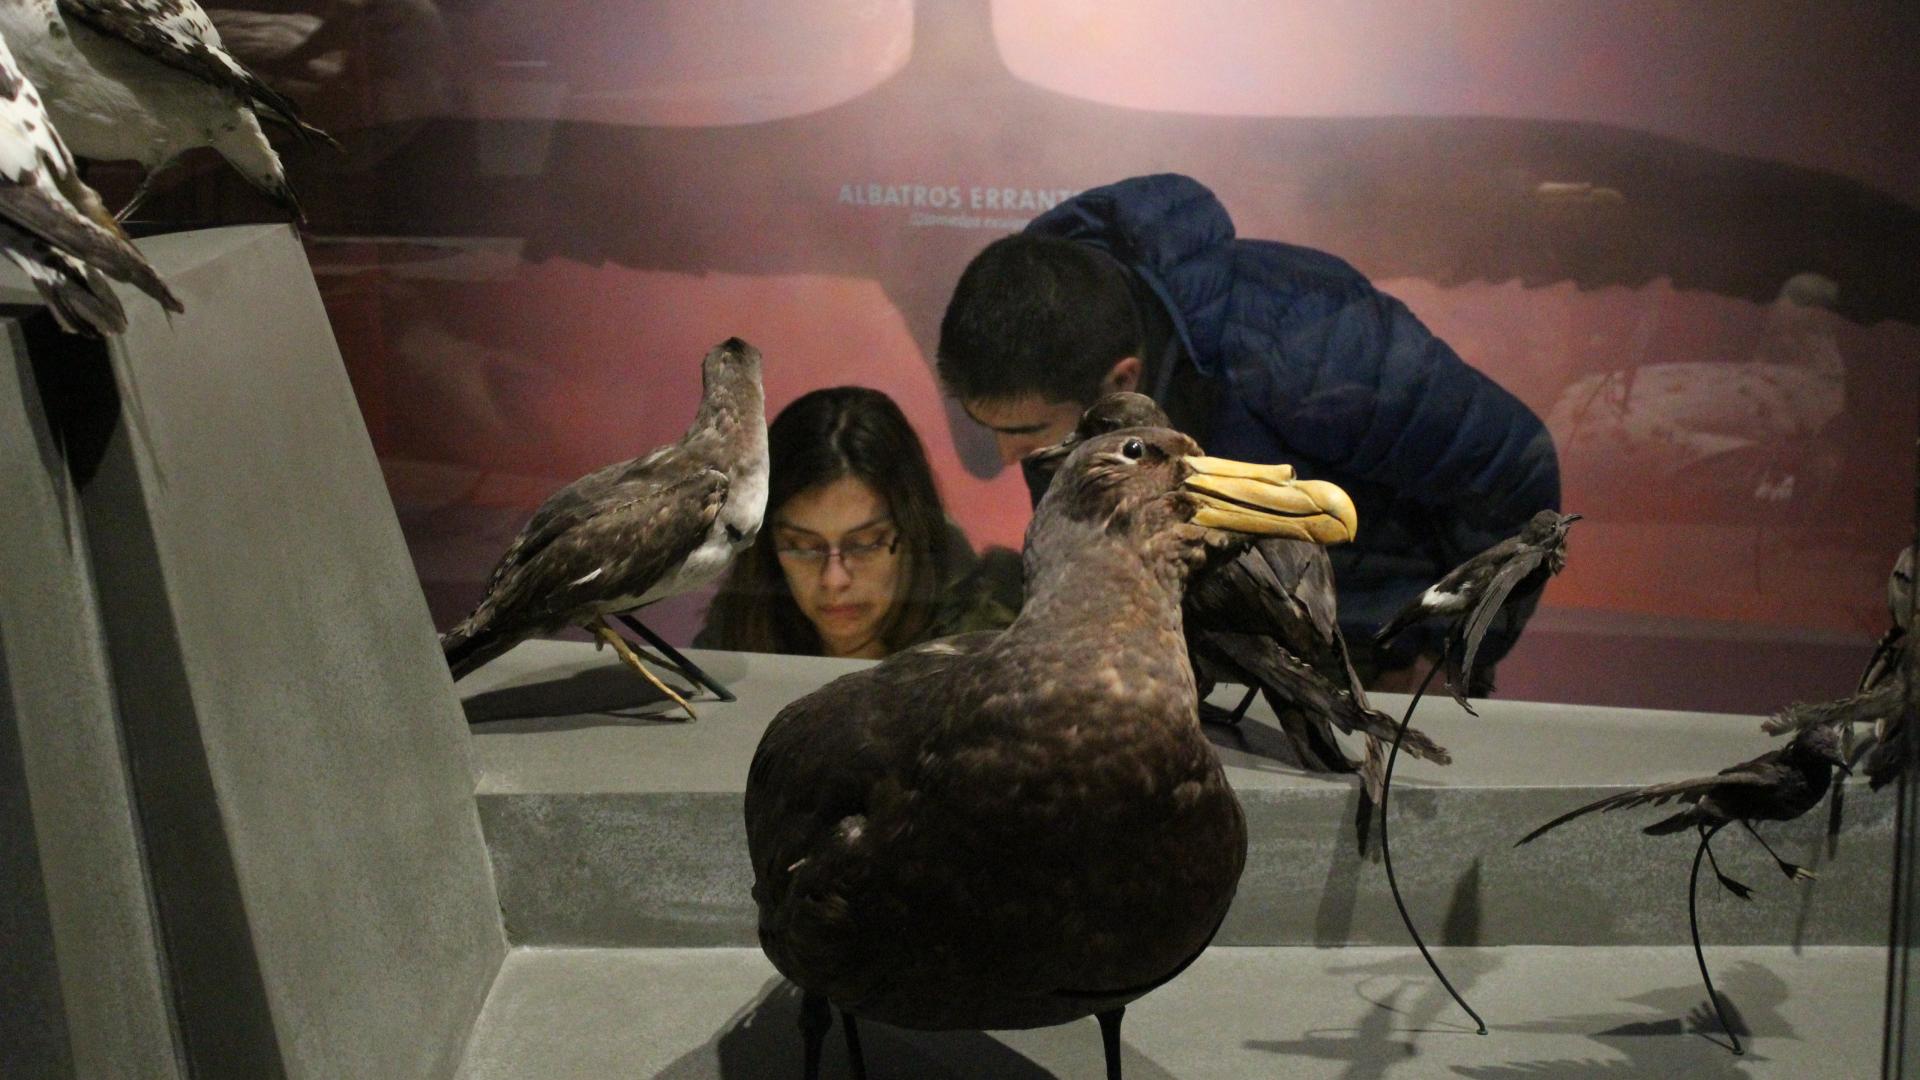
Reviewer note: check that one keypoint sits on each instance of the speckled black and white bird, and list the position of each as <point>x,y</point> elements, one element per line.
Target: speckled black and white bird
<point>1779,785</point>
<point>146,81</point>
<point>1473,593</point>
<point>634,532</point>
<point>1880,699</point>
<point>1024,828</point>
<point>53,226</point>
<point>1266,619</point>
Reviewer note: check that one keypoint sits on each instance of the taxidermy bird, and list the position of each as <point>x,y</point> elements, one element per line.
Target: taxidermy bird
<point>1474,592</point>
<point>54,227</point>
<point>634,532</point>
<point>1265,619</point>
<point>148,80</point>
<point>1024,828</point>
<point>1779,785</point>
<point>1880,699</point>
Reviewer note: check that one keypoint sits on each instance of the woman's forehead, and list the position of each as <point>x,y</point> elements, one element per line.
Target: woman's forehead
<point>847,504</point>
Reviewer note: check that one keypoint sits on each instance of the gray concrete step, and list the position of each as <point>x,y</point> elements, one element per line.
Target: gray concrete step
<point>612,823</point>
<point>1569,1014</point>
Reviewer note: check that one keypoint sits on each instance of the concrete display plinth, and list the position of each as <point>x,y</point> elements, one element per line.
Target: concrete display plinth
<point>300,786</point>
<point>613,824</point>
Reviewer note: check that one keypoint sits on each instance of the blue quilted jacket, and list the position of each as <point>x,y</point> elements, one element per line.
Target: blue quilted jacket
<point>1318,368</point>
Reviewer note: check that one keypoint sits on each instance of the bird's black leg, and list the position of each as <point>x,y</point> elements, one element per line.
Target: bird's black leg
<point>1794,871</point>
<point>1110,1038</point>
<point>857,1061</point>
<point>1732,886</point>
<point>140,192</point>
<point>1239,712</point>
<point>1693,924</point>
<point>1386,851</point>
<point>816,1016</point>
<point>687,667</point>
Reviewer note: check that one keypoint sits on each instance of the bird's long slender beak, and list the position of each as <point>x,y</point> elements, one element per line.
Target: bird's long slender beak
<point>1267,500</point>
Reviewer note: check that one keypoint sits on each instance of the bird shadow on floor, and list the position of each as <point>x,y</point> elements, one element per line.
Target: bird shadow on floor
<point>1750,993</point>
<point>1701,1055</point>
<point>762,1042</point>
<point>588,697</point>
<point>1677,1035</point>
<point>1377,1043</point>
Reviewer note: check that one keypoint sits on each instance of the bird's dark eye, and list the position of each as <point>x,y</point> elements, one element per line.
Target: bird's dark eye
<point>1133,449</point>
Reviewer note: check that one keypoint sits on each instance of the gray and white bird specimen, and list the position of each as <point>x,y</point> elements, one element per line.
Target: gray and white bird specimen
<point>1473,593</point>
<point>53,226</point>
<point>148,80</point>
<point>634,532</point>
<point>1879,700</point>
<point>1024,828</point>
<point>1266,619</point>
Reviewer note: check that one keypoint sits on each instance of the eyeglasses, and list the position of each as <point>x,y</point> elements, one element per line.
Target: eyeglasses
<point>853,557</point>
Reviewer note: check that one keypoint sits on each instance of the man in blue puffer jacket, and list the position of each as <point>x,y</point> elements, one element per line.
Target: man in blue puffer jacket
<point>1261,351</point>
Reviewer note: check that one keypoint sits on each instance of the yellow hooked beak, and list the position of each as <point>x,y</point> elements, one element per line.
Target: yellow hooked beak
<point>1266,500</point>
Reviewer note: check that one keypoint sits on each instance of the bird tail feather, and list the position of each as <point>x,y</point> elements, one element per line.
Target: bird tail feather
<point>1608,803</point>
<point>78,295</point>
<point>468,646</point>
<point>1679,822</point>
<point>1407,617</point>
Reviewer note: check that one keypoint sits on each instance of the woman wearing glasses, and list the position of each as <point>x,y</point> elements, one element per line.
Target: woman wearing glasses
<point>856,557</point>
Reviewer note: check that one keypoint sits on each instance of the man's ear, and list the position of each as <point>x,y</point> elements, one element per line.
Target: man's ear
<point>1122,377</point>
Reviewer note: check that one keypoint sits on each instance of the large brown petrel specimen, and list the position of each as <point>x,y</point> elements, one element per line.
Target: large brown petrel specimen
<point>636,531</point>
<point>1266,619</point>
<point>1024,828</point>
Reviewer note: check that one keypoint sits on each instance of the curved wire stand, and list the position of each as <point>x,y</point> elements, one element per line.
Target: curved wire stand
<point>1693,924</point>
<point>1386,852</point>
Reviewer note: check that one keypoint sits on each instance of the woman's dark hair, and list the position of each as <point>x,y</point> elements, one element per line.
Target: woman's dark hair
<point>821,437</point>
<point>1037,315</point>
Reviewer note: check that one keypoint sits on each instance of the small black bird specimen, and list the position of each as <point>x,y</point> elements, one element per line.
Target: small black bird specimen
<point>1779,785</point>
<point>1024,828</point>
<point>1266,619</point>
<point>634,532</point>
<point>1474,592</point>
<point>1472,595</point>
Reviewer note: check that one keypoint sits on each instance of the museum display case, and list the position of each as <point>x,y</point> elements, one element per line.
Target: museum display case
<point>651,358</point>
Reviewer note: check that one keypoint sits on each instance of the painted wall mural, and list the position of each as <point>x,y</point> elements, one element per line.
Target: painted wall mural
<point>1685,235</point>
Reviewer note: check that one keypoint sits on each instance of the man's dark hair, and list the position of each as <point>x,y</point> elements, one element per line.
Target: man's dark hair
<point>1037,315</point>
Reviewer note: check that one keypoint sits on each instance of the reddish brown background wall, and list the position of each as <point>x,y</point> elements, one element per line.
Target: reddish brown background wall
<point>548,212</point>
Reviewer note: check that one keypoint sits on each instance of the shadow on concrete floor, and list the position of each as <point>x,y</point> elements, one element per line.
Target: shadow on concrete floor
<point>1677,1035</point>
<point>590,697</point>
<point>1370,1047</point>
<point>762,1042</point>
